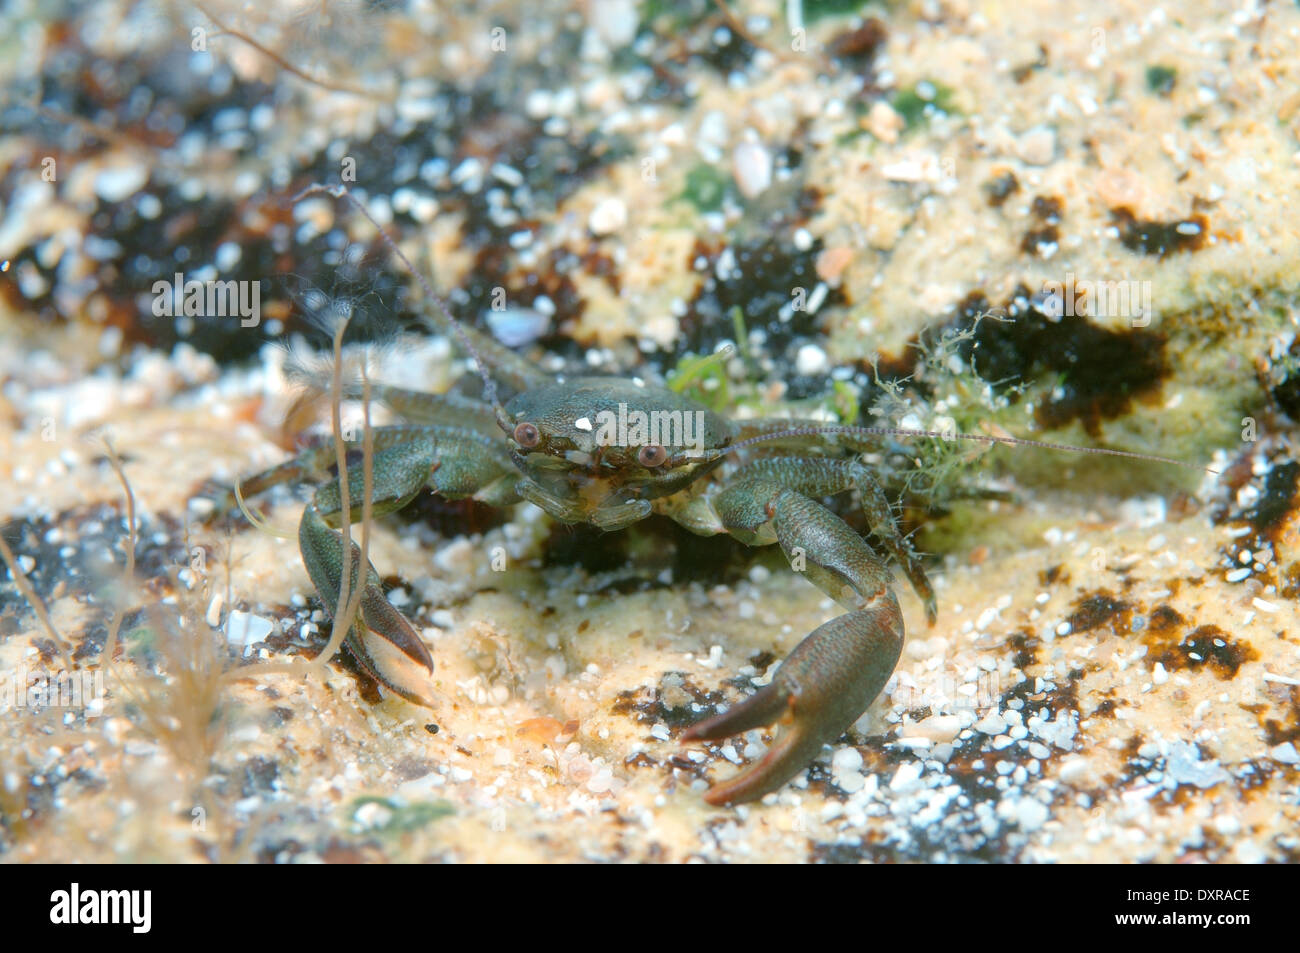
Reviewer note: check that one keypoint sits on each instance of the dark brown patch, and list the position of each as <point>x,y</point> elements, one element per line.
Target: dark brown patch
<point>860,44</point>
<point>1269,514</point>
<point>1164,620</point>
<point>1048,208</point>
<point>1279,731</point>
<point>1100,609</point>
<point>1054,574</point>
<point>1022,72</point>
<point>1282,381</point>
<point>1001,188</point>
<point>1290,587</point>
<point>600,265</point>
<point>1160,238</point>
<point>1206,646</point>
<point>1253,776</point>
<point>1097,372</point>
<point>1026,647</point>
<point>1044,239</point>
<point>1106,709</point>
<point>676,701</point>
<point>1181,506</point>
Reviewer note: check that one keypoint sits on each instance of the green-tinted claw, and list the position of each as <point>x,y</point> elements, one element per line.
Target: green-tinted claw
<point>381,638</point>
<point>454,460</point>
<point>834,674</point>
<point>818,692</point>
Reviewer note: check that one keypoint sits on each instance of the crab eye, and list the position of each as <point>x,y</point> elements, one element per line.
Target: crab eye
<point>527,436</point>
<point>651,455</point>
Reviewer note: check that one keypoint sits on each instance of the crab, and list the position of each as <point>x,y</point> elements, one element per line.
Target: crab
<point>610,452</point>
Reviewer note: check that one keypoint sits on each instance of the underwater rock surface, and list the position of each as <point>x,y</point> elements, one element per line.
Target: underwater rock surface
<point>1097,202</point>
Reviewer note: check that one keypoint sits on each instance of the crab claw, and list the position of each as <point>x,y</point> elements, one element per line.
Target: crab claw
<point>388,647</point>
<point>381,639</point>
<point>817,693</point>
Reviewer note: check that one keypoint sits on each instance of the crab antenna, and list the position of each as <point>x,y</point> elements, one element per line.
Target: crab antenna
<point>954,435</point>
<point>489,385</point>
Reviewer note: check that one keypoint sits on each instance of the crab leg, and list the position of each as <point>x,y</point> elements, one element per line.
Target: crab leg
<point>315,463</point>
<point>823,476</point>
<point>831,677</point>
<point>454,463</point>
<point>448,410</point>
<point>381,639</point>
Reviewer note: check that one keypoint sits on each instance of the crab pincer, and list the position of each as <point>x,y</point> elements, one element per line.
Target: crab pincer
<point>834,674</point>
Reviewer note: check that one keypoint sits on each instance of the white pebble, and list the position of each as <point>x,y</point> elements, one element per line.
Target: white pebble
<point>245,629</point>
<point>213,617</point>
<point>1031,814</point>
<point>751,164</point>
<point>456,557</point>
<point>615,21</point>
<point>906,779</point>
<point>1248,852</point>
<point>850,783</point>
<point>607,217</point>
<point>1227,825</point>
<point>1285,753</point>
<point>515,327</point>
<point>115,185</point>
<point>846,759</point>
<point>811,360</point>
<point>938,728</point>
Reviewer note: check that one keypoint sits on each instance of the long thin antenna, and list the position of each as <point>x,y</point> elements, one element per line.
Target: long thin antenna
<point>952,435</point>
<point>489,385</point>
